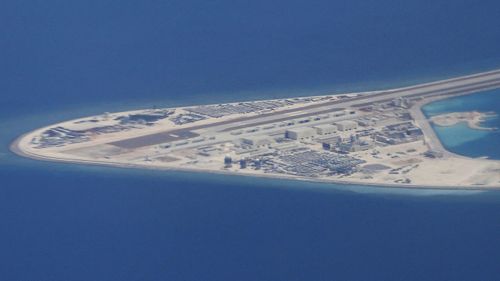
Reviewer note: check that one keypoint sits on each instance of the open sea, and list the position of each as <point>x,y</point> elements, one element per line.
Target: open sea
<point>68,59</point>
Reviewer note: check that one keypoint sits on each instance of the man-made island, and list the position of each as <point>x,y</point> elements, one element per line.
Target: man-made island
<point>372,138</point>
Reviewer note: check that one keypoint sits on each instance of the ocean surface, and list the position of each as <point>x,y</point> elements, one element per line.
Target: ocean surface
<point>68,59</point>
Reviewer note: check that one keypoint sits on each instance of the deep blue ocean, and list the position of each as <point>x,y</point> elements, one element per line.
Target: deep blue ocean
<point>67,59</point>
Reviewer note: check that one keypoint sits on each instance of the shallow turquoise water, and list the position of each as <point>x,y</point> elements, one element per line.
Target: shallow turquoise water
<point>460,138</point>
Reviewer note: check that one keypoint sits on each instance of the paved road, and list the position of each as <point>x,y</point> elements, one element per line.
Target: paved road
<point>455,86</point>
<point>432,140</point>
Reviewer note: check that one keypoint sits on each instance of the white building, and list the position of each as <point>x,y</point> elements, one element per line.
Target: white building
<point>346,125</point>
<point>325,129</point>
<point>258,141</point>
<point>300,133</point>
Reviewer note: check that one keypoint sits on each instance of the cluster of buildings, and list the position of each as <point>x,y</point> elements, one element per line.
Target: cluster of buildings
<point>289,152</point>
<point>219,110</point>
<point>312,163</point>
<point>302,133</point>
<point>348,145</point>
<point>185,118</point>
<point>399,133</point>
<point>313,146</point>
<point>83,130</point>
<point>299,161</point>
<point>285,153</point>
<point>402,102</point>
<point>146,118</point>
<point>61,136</point>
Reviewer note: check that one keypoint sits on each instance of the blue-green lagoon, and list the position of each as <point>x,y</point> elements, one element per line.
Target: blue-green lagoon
<point>460,138</point>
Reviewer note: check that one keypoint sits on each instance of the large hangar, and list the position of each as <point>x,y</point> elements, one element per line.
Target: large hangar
<point>300,133</point>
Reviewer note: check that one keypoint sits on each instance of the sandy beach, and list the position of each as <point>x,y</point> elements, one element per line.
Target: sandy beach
<point>473,119</point>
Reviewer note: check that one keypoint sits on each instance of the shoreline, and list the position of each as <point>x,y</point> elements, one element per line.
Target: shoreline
<point>14,148</point>
<point>23,147</point>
